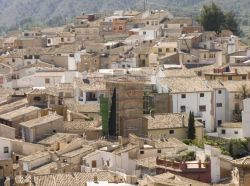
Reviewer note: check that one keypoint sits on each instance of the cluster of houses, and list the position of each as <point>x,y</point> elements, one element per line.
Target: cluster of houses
<point>106,100</point>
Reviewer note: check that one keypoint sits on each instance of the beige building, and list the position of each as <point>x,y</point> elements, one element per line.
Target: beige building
<point>241,172</point>
<point>129,107</point>
<point>39,128</point>
<point>7,132</point>
<point>6,167</point>
<point>74,157</point>
<point>13,106</point>
<point>171,126</point>
<point>169,179</point>
<point>14,118</point>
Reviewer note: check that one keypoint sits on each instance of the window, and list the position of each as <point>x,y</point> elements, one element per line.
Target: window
<point>6,150</point>
<point>183,109</point>
<point>159,151</point>
<point>91,96</point>
<point>144,33</point>
<point>167,49</point>
<point>37,98</point>
<point>183,96</point>
<point>37,56</point>
<point>236,106</point>
<point>175,49</point>
<point>244,77</point>
<point>223,131</point>
<point>13,60</point>
<point>143,62</point>
<point>219,105</point>
<point>171,132</point>
<point>219,122</point>
<point>204,124</point>
<point>236,96</point>
<point>235,132</point>
<point>142,152</point>
<point>62,39</point>
<point>120,28</point>
<point>202,95</point>
<point>202,108</point>
<point>219,91</point>
<point>93,163</point>
<point>47,80</point>
<point>49,41</point>
<point>230,77</point>
<point>160,50</point>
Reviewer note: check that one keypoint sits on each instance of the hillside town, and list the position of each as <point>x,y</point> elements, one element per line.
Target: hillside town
<point>124,98</point>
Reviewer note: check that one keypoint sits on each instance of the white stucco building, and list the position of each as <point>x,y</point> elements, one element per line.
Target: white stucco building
<point>190,94</point>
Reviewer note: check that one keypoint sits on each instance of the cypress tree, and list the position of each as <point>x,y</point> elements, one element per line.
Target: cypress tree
<point>112,115</point>
<point>191,126</point>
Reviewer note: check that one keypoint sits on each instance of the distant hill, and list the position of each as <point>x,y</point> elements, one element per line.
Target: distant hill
<point>53,12</point>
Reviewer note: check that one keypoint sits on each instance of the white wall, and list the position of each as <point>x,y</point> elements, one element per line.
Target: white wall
<point>233,133</point>
<point>101,158</point>
<point>214,154</point>
<point>69,76</point>
<point>220,112</point>
<point>72,63</point>
<point>246,118</point>
<point>5,143</point>
<point>149,34</point>
<point>192,103</point>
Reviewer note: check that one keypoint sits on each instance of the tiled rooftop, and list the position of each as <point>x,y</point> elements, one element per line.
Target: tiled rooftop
<point>57,138</point>
<point>7,107</point>
<point>35,156</point>
<point>83,150</point>
<point>72,179</point>
<point>19,112</point>
<point>40,121</point>
<point>183,85</point>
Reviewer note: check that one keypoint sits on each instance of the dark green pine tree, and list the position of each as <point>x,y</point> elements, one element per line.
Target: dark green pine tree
<point>212,18</point>
<point>191,126</point>
<point>112,115</point>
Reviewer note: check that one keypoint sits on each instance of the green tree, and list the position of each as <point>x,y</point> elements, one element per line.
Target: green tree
<point>191,126</point>
<point>231,23</point>
<point>212,18</point>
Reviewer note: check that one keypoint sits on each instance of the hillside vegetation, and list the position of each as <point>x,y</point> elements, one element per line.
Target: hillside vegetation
<point>54,12</point>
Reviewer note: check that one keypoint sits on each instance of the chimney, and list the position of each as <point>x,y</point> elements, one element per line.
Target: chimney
<point>115,179</point>
<point>95,179</point>
<point>120,140</point>
<point>152,113</point>
<point>32,179</point>
<point>236,71</point>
